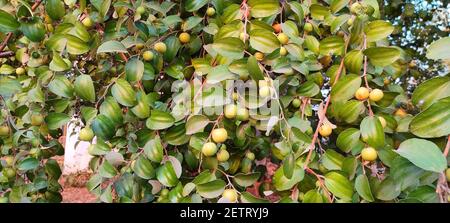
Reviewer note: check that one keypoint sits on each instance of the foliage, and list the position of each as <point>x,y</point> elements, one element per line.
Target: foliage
<point>148,77</point>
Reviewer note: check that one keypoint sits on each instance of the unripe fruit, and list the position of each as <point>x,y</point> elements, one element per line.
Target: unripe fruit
<point>382,121</point>
<point>9,160</point>
<point>259,56</point>
<point>308,27</point>
<point>362,93</point>
<point>210,11</point>
<point>283,38</point>
<point>20,70</point>
<point>209,149</point>
<point>86,134</point>
<point>160,47</point>
<point>376,95</point>
<point>242,114</point>
<point>400,112</point>
<point>230,194</point>
<point>164,192</point>
<point>36,119</point>
<point>223,155</point>
<point>350,22</point>
<point>369,154</point>
<point>276,27</point>
<point>296,102</point>
<point>235,96</point>
<point>87,22</point>
<point>264,91</point>
<point>148,55</point>
<point>283,51</point>
<point>325,130</point>
<point>139,46</point>
<point>249,155</point>
<point>356,8</point>
<point>447,174</point>
<point>9,172</point>
<point>184,37</point>
<point>140,10</point>
<point>4,130</point>
<point>35,142</point>
<point>219,135</point>
<point>230,111</point>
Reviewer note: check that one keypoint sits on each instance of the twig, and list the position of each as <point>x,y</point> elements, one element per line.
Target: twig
<point>442,187</point>
<point>365,75</point>
<point>5,41</point>
<point>36,4</point>
<point>6,54</point>
<point>322,184</point>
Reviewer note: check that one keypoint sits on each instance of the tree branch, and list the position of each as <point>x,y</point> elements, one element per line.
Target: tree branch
<point>5,41</point>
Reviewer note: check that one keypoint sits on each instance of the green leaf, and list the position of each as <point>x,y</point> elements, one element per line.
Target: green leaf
<point>246,180</point>
<point>159,120</point>
<point>84,87</point>
<point>263,40</point>
<point>382,56</point>
<point>439,49</point>
<point>333,45</point>
<point>154,150</point>
<point>191,22</point>
<point>312,196</point>
<point>9,87</point>
<point>338,22</point>
<point>194,5</point>
<point>112,46</point>
<point>61,86</point>
<point>123,93</point>
<point>354,61</point>
<point>378,30</point>
<point>339,185</point>
<point>253,69</point>
<point>220,73</point>
<point>349,139</point>
<point>350,111</point>
<point>337,5</point>
<point>372,131</point>
<point>211,189</point>
<point>319,12</point>
<point>7,22</point>
<point>59,64</point>
<point>230,47</point>
<point>362,186</point>
<point>282,183</point>
<point>247,197</point>
<point>312,44</point>
<point>103,127</point>
<point>434,122</point>
<point>134,70</point>
<point>29,163</point>
<point>332,160</point>
<point>424,154</point>
<point>166,175</point>
<point>263,8</point>
<point>143,168</point>
<point>388,190</point>
<point>196,124</point>
<point>56,120</point>
<point>308,89</point>
<point>345,88</point>
<point>107,170</point>
<point>55,9</point>
<point>431,91</point>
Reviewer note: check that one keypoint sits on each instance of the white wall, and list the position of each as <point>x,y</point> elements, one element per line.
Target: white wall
<point>75,159</point>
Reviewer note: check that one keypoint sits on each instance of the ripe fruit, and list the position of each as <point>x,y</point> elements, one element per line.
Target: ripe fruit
<point>447,174</point>
<point>9,160</point>
<point>249,155</point>
<point>184,37</point>
<point>362,93</point>
<point>296,102</point>
<point>86,134</point>
<point>210,11</point>
<point>209,149</point>
<point>400,112</point>
<point>276,27</point>
<point>283,38</point>
<point>259,56</point>
<point>4,130</point>
<point>219,135</point>
<point>325,130</point>
<point>160,47</point>
<point>382,120</point>
<point>20,70</point>
<point>308,27</point>
<point>87,22</point>
<point>140,10</point>
<point>369,154</point>
<point>230,194</point>
<point>139,46</point>
<point>223,155</point>
<point>242,114</point>
<point>283,51</point>
<point>376,95</point>
<point>36,119</point>
<point>147,55</point>
<point>264,91</point>
<point>230,111</point>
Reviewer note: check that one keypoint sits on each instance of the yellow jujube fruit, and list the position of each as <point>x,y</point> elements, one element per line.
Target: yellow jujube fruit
<point>223,155</point>
<point>242,114</point>
<point>264,91</point>
<point>36,119</point>
<point>219,135</point>
<point>369,154</point>
<point>209,149</point>
<point>259,56</point>
<point>230,194</point>
<point>283,51</point>
<point>20,70</point>
<point>184,37</point>
<point>400,112</point>
<point>308,27</point>
<point>4,130</point>
<point>160,47</point>
<point>376,95</point>
<point>87,22</point>
<point>210,11</point>
<point>250,156</point>
<point>362,93</point>
<point>230,111</point>
<point>325,130</point>
<point>283,38</point>
<point>147,55</point>
<point>86,134</point>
